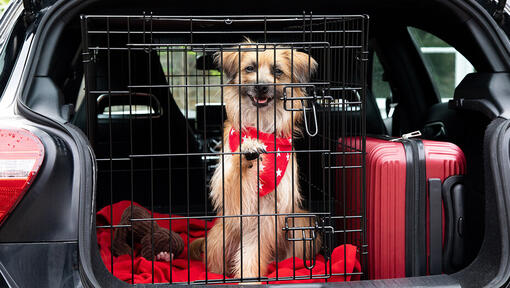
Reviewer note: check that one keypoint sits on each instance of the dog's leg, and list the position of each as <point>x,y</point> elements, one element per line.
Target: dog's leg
<point>226,197</point>
<point>257,249</point>
<point>221,248</point>
<point>214,253</point>
<point>225,183</point>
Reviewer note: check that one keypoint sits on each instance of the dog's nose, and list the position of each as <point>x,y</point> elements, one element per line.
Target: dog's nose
<point>262,89</point>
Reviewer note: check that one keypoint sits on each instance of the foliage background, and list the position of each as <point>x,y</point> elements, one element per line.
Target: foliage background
<point>3,4</point>
<point>441,67</point>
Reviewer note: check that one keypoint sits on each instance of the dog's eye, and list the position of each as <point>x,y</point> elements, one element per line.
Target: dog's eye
<point>277,72</point>
<point>249,68</point>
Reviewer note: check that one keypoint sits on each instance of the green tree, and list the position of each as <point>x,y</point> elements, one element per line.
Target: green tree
<point>3,4</point>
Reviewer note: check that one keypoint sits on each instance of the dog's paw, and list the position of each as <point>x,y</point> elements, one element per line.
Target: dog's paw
<point>252,149</point>
<point>165,256</point>
<point>252,155</point>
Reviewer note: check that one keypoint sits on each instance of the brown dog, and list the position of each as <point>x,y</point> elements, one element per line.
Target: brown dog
<point>238,186</point>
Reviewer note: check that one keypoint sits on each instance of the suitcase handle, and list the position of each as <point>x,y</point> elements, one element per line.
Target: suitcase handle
<point>454,192</point>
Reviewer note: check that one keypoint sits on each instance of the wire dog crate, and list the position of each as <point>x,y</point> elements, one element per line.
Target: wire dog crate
<point>165,94</point>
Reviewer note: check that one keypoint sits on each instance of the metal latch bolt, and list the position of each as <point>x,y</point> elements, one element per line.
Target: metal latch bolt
<point>307,234</point>
<point>413,134</point>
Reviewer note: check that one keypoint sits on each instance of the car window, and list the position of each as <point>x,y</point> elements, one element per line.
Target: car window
<point>381,89</point>
<point>192,69</point>
<point>445,64</point>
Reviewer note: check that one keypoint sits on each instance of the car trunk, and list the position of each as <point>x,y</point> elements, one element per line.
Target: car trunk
<point>153,113</point>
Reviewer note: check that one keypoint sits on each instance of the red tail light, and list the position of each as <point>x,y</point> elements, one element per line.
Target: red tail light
<point>21,155</point>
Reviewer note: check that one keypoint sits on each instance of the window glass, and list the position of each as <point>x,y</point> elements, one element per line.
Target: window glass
<point>446,65</point>
<point>128,110</point>
<point>381,88</point>
<point>192,69</point>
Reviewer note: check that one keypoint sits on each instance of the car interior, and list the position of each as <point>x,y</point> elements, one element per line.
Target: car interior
<point>413,103</point>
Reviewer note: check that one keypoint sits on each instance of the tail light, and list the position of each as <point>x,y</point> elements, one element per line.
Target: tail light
<point>21,156</point>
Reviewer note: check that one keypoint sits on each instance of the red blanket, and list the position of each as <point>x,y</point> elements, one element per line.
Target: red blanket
<point>344,257</point>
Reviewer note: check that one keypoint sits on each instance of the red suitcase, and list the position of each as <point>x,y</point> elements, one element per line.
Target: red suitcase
<point>414,204</point>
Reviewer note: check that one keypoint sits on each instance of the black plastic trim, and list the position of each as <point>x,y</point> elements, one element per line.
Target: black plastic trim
<point>422,208</point>
<point>41,264</point>
<point>410,211</point>
<point>435,226</point>
<point>6,280</point>
<point>416,245</point>
<point>487,27</point>
<point>453,253</point>
<point>483,92</point>
<point>443,281</point>
<point>85,167</point>
<point>458,196</point>
<point>491,268</point>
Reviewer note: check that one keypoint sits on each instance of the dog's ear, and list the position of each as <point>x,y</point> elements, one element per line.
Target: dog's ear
<point>304,66</point>
<point>247,40</point>
<point>228,62</point>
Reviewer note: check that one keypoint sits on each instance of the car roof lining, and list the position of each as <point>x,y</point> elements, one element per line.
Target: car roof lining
<point>447,25</point>
<point>384,17</point>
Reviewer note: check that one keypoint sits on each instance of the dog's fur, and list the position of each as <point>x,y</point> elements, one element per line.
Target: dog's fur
<point>227,199</point>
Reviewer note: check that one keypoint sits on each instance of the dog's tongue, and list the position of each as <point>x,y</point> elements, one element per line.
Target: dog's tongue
<point>261,101</point>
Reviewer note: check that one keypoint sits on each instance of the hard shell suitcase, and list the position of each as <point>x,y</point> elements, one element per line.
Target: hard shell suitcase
<point>414,205</point>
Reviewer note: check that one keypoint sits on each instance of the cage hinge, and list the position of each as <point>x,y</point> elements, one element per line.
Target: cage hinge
<point>306,233</point>
<point>89,57</point>
<point>363,250</point>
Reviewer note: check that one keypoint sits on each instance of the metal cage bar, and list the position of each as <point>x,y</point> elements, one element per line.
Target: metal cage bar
<point>165,127</point>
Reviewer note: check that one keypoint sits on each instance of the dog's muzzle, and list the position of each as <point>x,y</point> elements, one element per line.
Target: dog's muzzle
<point>261,95</point>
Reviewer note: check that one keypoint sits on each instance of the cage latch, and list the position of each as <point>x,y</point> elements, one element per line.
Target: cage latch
<point>306,234</point>
<point>314,113</point>
<point>311,98</point>
<point>362,56</point>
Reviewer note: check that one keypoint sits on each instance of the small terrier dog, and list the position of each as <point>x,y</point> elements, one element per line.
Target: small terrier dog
<point>245,183</point>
